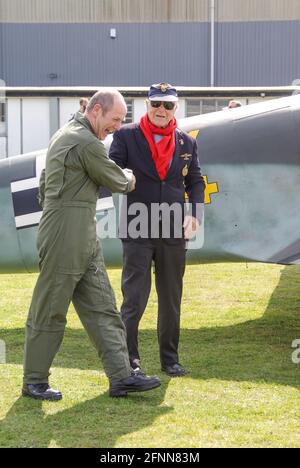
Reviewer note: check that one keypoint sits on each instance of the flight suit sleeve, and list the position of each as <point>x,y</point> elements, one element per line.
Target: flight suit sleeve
<point>41,192</point>
<point>103,171</point>
<point>118,150</point>
<point>195,186</point>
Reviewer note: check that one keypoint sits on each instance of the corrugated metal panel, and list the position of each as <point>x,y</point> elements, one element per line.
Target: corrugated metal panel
<point>1,53</point>
<point>127,11</point>
<point>258,53</point>
<point>189,10</point>
<point>257,10</point>
<point>41,11</point>
<point>103,11</point>
<point>145,11</point>
<point>82,55</point>
<point>247,54</point>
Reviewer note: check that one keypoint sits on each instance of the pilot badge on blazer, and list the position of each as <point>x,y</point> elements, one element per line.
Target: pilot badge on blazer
<point>185,171</point>
<point>186,156</point>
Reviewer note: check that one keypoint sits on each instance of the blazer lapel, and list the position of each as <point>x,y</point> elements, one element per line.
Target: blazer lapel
<point>145,153</point>
<point>174,162</point>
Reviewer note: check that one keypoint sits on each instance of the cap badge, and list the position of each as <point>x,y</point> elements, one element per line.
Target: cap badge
<point>163,87</point>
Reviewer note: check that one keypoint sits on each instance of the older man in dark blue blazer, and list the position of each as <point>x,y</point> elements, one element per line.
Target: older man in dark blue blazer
<point>155,223</point>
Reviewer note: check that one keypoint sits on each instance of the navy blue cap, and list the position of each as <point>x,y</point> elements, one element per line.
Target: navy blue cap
<point>162,92</point>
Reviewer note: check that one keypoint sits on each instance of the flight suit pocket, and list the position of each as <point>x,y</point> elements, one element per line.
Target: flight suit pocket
<point>79,237</point>
<point>100,287</point>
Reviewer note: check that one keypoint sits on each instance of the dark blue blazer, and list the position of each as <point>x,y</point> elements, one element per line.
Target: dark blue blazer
<point>130,149</point>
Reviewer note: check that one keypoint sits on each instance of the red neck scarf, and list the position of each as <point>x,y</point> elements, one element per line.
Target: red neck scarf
<point>162,151</point>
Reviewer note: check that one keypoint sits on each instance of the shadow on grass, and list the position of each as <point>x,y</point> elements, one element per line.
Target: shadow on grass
<point>99,422</point>
<point>258,350</point>
<point>253,351</point>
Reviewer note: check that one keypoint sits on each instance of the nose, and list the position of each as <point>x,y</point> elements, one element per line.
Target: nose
<point>161,107</point>
<point>117,125</point>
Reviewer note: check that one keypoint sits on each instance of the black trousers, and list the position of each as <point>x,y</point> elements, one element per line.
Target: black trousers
<point>169,259</point>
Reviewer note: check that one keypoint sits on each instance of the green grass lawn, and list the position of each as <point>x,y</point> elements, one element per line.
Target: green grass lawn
<point>238,325</point>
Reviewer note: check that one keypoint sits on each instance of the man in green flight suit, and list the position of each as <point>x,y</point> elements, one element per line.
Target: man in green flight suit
<point>71,261</point>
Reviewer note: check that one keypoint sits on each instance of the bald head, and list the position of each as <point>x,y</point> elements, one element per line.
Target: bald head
<point>106,98</point>
<point>233,104</point>
<point>105,111</point>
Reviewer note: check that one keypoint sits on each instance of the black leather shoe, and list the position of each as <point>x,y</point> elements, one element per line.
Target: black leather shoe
<point>133,383</point>
<point>41,391</point>
<point>175,370</point>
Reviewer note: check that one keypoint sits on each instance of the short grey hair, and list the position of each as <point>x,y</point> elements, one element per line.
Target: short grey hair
<point>106,99</point>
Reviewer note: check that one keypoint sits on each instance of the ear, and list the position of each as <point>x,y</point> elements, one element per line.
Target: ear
<point>97,108</point>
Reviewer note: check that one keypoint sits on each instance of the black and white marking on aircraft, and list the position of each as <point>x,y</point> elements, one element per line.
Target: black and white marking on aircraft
<point>27,210</point>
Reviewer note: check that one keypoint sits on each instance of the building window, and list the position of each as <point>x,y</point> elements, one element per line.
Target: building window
<point>2,128</point>
<point>221,103</point>
<point>2,111</point>
<point>193,107</point>
<point>204,106</point>
<point>129,115</point>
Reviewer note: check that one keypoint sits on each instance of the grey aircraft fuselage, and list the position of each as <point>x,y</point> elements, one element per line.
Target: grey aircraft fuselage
<point>250,157</point>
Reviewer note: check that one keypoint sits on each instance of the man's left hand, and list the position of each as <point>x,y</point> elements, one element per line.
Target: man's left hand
<point>190,225</point>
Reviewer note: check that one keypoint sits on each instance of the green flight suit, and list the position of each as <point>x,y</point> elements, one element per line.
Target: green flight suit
<point>71,261</point>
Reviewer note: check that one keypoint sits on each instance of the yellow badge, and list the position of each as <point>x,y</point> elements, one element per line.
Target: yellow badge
<point>185,171</point>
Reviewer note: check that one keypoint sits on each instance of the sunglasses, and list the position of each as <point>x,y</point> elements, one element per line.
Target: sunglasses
<point>167,104</point>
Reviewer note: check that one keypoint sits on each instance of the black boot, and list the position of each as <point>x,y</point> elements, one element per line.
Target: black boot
<point>41,391</point>
<point>174,370</point>
<point>134,383</point>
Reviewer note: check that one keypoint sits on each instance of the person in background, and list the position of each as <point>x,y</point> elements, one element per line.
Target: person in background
<point>233,104</point>
<point>83,105</point>
<point>83,102</point>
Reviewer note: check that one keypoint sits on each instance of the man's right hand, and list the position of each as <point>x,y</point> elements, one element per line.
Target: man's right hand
<point>131,178</point>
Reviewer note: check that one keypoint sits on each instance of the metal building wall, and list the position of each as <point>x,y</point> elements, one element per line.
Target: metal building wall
<point>257,10</point>
<point>66,42</point>
<point>1,52</point>
<point>86,55</point>
<point>258,53</point>
<point>103,11</point>
<point>151,11</point>
<point>247,54</point>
